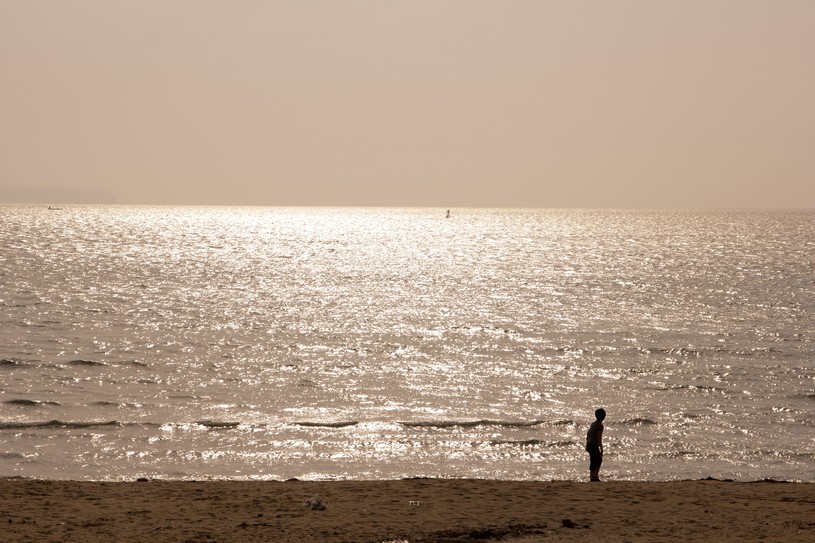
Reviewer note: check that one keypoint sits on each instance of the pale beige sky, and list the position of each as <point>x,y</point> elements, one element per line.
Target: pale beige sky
<point>639,103</point>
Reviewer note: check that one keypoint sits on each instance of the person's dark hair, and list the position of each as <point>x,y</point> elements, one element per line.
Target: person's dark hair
<point>600,414</point>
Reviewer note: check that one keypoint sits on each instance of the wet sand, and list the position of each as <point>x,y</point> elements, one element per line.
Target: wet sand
<point>414,510</point>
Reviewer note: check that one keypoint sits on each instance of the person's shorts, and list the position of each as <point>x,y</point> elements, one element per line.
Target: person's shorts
<point>595,456</point>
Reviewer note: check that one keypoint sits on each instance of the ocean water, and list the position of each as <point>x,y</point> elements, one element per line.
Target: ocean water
<point>320,343</point>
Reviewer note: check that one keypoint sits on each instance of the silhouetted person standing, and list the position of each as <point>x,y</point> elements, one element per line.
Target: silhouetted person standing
<point>594,445</point>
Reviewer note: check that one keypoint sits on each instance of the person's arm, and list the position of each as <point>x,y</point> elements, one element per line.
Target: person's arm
<point>600,440</point>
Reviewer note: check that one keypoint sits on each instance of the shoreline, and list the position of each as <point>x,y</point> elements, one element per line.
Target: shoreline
<point>408,510</point>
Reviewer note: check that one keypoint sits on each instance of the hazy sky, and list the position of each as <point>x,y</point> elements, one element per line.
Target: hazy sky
<point>651,103</point>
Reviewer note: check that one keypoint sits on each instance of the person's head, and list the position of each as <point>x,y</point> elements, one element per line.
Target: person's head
<point>600,414</point>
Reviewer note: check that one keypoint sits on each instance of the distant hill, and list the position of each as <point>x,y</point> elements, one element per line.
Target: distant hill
<point>11,194</point>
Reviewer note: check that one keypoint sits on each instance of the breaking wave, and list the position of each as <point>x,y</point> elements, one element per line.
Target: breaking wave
<point>639,422</point>
<point>58,424</point>
<point>12,363</point>
<point>475,423</point>
<point>89,363</point>
<point>31,403</point>
<point>327,424</point>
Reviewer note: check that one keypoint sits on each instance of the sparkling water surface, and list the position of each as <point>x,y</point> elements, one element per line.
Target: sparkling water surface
<point>317,343</point>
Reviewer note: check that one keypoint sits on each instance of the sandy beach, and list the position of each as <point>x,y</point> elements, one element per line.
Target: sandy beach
<point>414,510</point>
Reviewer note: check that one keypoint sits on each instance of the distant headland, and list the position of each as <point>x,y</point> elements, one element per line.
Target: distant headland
<point>12,194</point>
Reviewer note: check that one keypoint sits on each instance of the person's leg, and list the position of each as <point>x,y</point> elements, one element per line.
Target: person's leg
<point>597,466</point>
<point>595,459</point>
